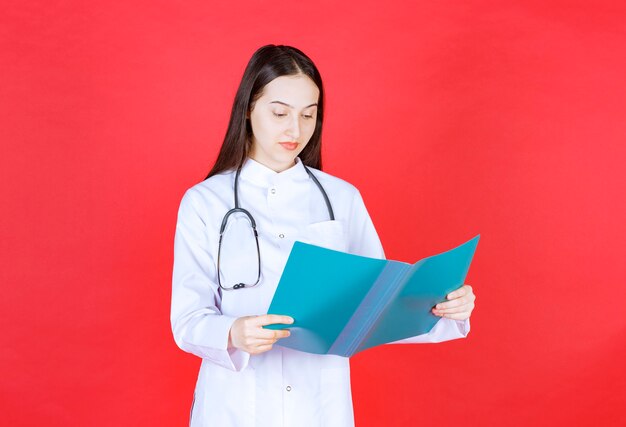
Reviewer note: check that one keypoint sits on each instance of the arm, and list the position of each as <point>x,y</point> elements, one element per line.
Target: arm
<point>197,323</point>
<point>363,238</point>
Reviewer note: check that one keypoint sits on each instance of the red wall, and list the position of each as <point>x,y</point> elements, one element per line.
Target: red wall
<point>453,118</point>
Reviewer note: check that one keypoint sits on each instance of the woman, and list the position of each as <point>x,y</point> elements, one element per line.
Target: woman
<point>270,165</point>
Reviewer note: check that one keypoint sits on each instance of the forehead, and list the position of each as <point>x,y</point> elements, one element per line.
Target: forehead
<point>298,90</point>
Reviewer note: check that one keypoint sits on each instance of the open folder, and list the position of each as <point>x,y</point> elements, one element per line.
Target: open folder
<point>343,303</point>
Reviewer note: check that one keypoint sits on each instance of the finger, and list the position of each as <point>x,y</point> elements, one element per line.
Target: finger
<point>272,334</point>
<point>262,342</point>
<point>263,348</point>
<point>460,309</point>
<point>462,291</point>
<point>257,342</point>
<point>270,319</point>
<point>457,316</point>
<point>260,349</point>
<point>451,304</point>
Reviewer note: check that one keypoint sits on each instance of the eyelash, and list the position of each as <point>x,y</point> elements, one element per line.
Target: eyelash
<point>283,115</point>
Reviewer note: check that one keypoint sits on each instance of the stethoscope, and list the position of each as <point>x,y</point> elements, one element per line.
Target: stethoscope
<point>237,208</point>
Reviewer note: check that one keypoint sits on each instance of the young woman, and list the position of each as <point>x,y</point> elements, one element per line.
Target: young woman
<point>267,180</point>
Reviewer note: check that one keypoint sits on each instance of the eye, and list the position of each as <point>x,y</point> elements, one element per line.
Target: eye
<point>308,116</point>
<point>279,114</point>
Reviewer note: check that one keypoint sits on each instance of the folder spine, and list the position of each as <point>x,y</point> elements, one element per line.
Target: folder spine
<point>387,285</point>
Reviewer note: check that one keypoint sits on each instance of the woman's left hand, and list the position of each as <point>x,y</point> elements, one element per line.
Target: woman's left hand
<point>459,305</point>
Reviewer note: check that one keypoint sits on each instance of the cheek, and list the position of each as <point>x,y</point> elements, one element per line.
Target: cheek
<point>311,129</point>
<point>264,129</point>
<point>258,130</point>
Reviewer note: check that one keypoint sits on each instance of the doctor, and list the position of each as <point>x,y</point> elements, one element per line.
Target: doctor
<point>269,168</point>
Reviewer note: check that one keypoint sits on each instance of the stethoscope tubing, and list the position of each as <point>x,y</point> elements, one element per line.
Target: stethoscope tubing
<point>239,209</point>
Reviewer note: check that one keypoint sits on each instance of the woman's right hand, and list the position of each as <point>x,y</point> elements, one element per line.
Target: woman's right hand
<point>247,333</point>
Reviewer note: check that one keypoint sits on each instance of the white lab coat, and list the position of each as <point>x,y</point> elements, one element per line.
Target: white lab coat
<point>281,387</point>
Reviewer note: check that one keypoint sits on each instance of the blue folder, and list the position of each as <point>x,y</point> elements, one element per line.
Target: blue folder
<point>343,304</point>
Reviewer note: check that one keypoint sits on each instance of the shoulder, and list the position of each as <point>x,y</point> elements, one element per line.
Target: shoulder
<point>346,198</point>
<point>209,191</point>
<point>337,186</point>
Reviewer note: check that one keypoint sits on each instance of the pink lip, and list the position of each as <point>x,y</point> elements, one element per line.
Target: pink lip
<point>289,145</point>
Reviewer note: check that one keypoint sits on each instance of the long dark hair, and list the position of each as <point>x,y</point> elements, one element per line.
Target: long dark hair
<point>266,64</point>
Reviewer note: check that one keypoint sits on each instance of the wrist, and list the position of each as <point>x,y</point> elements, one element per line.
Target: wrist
<point>230,339</point>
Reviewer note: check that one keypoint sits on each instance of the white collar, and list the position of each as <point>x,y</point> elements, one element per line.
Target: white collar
<point>260,174</point>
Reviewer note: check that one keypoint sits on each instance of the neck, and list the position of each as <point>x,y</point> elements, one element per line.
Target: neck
<point>276,167</point>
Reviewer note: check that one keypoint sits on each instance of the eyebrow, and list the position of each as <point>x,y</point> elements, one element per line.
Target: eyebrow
<point>291,106</point>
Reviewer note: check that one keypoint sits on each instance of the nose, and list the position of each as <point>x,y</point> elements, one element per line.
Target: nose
<point>294,128</point>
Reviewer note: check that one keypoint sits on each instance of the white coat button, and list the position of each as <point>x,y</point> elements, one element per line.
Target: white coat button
<point>282,236</point>
<point>273,191</point>
<point>288,388</point>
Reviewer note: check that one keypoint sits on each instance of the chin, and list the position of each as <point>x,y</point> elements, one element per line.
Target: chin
<point>285,162</point>
<point>287,157</point>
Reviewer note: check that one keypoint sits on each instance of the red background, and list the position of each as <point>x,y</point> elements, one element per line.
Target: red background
<point>453,118</point>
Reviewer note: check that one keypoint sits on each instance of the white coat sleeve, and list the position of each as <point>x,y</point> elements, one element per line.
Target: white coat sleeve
<point>197,323</point>
<point>364,241</point>
<point>362,237</point>
<point>444,330</point>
